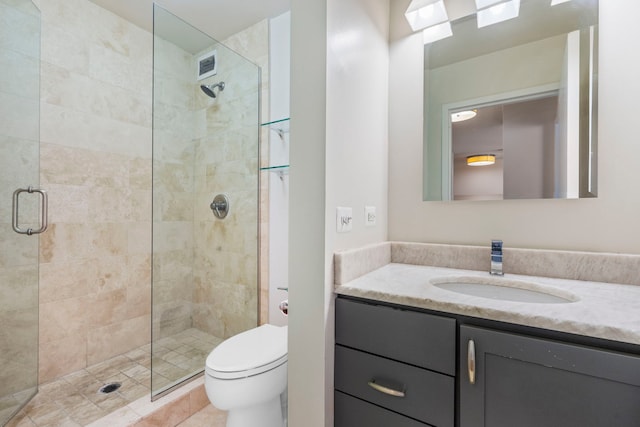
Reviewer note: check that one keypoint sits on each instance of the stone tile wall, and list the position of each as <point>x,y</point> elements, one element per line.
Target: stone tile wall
<point>96,165</point>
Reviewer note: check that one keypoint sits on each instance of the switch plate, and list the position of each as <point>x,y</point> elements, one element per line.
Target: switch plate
<point>369,216</point>
<point>344,219</point>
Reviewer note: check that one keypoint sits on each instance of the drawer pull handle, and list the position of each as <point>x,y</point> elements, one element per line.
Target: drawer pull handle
<point>385,390</point>
<point>471,361</point>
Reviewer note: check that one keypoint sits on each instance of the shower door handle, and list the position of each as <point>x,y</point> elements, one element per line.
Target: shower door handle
<point>44,207</point>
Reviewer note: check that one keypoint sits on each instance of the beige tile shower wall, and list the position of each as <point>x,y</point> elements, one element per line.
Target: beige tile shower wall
<point>19,104</point>
<point>226,262</point>
<point>174,131</point>
<point>96,165</point>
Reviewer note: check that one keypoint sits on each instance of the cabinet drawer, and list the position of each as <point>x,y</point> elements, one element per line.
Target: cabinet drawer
<point>429,396</point>
<point>417,338</point>
<point>352,412</point>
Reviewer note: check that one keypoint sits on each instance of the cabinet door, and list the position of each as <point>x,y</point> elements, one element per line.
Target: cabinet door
<point>531,382</point>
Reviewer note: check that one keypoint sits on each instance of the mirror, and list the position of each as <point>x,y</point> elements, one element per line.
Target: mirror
<point>520,96</point>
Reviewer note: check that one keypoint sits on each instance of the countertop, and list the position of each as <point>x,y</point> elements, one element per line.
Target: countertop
<point>600,310</point>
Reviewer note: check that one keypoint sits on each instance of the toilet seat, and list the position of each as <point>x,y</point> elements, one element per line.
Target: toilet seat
<point>250,353</point>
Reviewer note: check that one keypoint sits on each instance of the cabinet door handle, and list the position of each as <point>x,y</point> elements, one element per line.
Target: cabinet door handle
<point>471,361</point>
<point>385,390</point>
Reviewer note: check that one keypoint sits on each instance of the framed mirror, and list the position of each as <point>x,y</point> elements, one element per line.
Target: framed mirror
<point>510,109</point>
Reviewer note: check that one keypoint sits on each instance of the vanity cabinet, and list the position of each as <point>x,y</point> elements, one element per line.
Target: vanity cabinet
<point>511,380</point>
<point>393,367</point>
<point>400,367</point>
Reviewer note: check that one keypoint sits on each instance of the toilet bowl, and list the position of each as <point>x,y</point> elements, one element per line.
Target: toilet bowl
<point>246,376</point>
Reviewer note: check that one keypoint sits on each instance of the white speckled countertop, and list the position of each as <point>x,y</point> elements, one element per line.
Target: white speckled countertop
<point>601,310</point>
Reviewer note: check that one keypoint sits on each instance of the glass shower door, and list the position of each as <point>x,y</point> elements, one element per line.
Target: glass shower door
<point>206,117</point>
<point>22,206</point>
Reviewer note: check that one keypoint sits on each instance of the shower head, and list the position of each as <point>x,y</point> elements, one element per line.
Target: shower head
<point>209,90</point>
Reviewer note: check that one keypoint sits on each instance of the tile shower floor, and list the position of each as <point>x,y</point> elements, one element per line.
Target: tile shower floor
<point>75,400</point>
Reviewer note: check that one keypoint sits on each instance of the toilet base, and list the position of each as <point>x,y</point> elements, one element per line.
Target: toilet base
<point>267,414</point>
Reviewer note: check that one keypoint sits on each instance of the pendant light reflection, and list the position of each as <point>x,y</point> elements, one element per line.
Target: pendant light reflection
<point>461,116</point>
<point>481,160</point>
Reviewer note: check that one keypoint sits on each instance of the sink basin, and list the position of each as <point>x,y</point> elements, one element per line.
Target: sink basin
<point>504,289</point>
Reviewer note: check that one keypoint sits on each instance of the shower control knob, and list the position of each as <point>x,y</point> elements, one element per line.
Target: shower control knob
<point>220,206</point>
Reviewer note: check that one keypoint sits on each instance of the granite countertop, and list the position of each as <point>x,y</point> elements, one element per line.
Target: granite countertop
<point>601,310</point>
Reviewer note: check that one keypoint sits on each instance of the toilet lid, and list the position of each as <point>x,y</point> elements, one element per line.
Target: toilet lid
<point>249,353</point>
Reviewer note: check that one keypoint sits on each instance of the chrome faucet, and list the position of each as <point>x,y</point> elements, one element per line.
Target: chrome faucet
<point>496,258</point>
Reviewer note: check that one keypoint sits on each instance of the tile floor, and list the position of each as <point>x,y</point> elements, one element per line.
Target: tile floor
<point>209,416</point>
<point>74,400</point>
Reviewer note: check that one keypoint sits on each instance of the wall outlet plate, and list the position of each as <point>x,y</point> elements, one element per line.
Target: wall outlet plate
<point>369,216</point>
<point>344,219</point>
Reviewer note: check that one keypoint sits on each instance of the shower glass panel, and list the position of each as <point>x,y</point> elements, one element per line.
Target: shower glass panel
<point>205,143</point>
<point>19,168</point>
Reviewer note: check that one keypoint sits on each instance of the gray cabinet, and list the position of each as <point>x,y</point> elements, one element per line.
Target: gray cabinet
<point>397,367</point>
<point>393,367</point>
<point>509,380</point>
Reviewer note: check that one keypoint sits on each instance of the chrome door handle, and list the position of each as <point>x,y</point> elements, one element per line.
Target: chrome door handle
<point>43,211</point>
<point>471,361</point>
<point>386,390</point>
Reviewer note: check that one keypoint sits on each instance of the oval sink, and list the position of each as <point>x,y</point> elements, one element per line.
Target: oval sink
<point>504,289</point>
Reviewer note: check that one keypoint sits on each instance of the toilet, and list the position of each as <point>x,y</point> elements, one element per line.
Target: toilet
<point>246,376</point>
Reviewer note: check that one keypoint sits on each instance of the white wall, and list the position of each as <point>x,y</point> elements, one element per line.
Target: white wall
<point>601,224</point>
<point>339,116</point>
<point>279,93</point>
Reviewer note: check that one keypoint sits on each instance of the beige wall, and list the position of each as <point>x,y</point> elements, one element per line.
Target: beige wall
<point>339,116</point>
<point>601,224</point>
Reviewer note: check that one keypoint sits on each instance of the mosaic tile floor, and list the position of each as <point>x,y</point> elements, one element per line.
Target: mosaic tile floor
<point>74,400</point>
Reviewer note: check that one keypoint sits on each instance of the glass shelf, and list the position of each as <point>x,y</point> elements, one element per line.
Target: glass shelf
<point>280,170</point>
<point>280,126</point>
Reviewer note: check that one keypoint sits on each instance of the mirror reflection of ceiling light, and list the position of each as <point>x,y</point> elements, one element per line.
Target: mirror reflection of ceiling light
<point>498,13</point>
<point>555,2</point>
<point>481,4</point>
<point>461,116</point>
<point>436,32</point>
<point>425,13</point>
<point>481,160</point>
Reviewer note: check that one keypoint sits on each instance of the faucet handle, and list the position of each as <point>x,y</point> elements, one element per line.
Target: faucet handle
<point>496,258</point>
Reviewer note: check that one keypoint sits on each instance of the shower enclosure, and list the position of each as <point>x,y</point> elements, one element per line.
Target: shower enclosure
<point>205,144</point>
<point>20,211</point>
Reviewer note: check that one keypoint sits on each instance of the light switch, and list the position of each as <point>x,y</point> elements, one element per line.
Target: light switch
<point>369,216</point>
<point>344,219</point>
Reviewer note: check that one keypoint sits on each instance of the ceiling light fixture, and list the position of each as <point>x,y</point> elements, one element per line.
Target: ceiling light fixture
<point>499,12</point>
<point>461,116</point>
<point>426,13</point>
<point>436,32</point>
<point>555,2</point>
<point>481,160</point>
<point>481,4</point>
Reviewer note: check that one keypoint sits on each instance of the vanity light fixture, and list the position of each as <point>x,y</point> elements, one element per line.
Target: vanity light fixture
<point>481,160</point>
<point>498,13</point>
<point>461,116</point>
<point>426,13</point>
<point>555,2</point>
